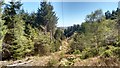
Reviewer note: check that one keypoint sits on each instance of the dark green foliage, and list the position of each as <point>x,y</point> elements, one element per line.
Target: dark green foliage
<point>118,23</point>
<point>77,43</point>
<point>71,29</point>
<point>63,37</point>
<point>111,52</point>
<point>57,44</point>
<point>112,15</point>
<point>108,15</point>
<point>89,52</point>
<point>2,27</point>
<point>76,52</point>
<point>9,14</point>
<point>10,11</point>
<point>59,34</point>
<point>25,35</point>
<point>29,18</point>
<point>46,17</point>
<point>6,51</point>
<point>42,45</point>
<point>116,52</point>
<point>20,46</point>
<point>42,49</point>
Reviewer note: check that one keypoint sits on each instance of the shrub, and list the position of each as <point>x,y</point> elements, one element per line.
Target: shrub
<point>116,52</point>
<point>41,48</point>
<point>52,62</point>
<point>89,52</point>
<point>101,50</point>
<point>111,52</point>
<point>57,44</point>
<point>62,54</point>
<point>107,53</point>
<point>76,52</point>
<point>63,37</point>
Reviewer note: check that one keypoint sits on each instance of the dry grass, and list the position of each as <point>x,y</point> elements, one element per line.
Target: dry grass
<point>98,61</point>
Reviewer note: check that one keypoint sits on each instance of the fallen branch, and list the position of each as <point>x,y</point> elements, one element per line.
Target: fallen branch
<point>19,64</point>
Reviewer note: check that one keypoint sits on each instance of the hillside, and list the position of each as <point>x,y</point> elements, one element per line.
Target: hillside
<point>34,39</point>
<point>60,58</point>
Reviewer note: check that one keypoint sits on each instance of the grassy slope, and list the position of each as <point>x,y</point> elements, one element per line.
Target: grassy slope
<point>60,58</point>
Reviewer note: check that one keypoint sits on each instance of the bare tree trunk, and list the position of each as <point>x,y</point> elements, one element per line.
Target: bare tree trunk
<point>51,35</point>
<point>45,31</point>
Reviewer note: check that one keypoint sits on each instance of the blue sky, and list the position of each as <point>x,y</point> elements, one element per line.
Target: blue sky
<point>70,13</point>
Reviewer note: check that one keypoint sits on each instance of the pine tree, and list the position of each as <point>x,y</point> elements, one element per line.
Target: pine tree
<point>19,45</point>
<point>95,16</point>
<point>58,34</point>
<point>108,15</point>
<point>2,27</point>
<point>46,17</point>
<point>118,17</point>
<point>114,15</point>
<point>10,11</point>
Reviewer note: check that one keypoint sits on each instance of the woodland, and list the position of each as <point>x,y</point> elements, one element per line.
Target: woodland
<point>36,35</point>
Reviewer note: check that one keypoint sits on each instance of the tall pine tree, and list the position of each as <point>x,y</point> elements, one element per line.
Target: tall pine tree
<point>15,38</point>
<point>2,27</point>
<point>118,17</point>
<point>46,18</point>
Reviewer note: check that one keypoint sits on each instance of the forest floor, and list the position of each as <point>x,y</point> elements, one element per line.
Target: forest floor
<point>60,58</point>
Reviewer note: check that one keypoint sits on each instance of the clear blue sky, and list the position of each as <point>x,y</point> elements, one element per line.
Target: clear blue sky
<point>73,12</point>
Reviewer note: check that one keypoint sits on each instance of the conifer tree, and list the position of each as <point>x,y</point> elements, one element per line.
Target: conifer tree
<point>46,17</point>
<point>108,15</point>
<point>19,45</point>
<point>118,17</point>
<point>10,11</point>
<point>2,27</point>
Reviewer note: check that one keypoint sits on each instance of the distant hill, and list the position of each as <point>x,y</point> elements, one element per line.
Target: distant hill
<point>63,28</point>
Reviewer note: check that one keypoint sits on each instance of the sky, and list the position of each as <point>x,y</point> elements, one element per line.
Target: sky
<point>68,0</point>
<point>70,13</point>
<point>75,12</point>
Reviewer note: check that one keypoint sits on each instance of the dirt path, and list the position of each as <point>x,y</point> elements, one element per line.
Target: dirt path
<point>65,46</point>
